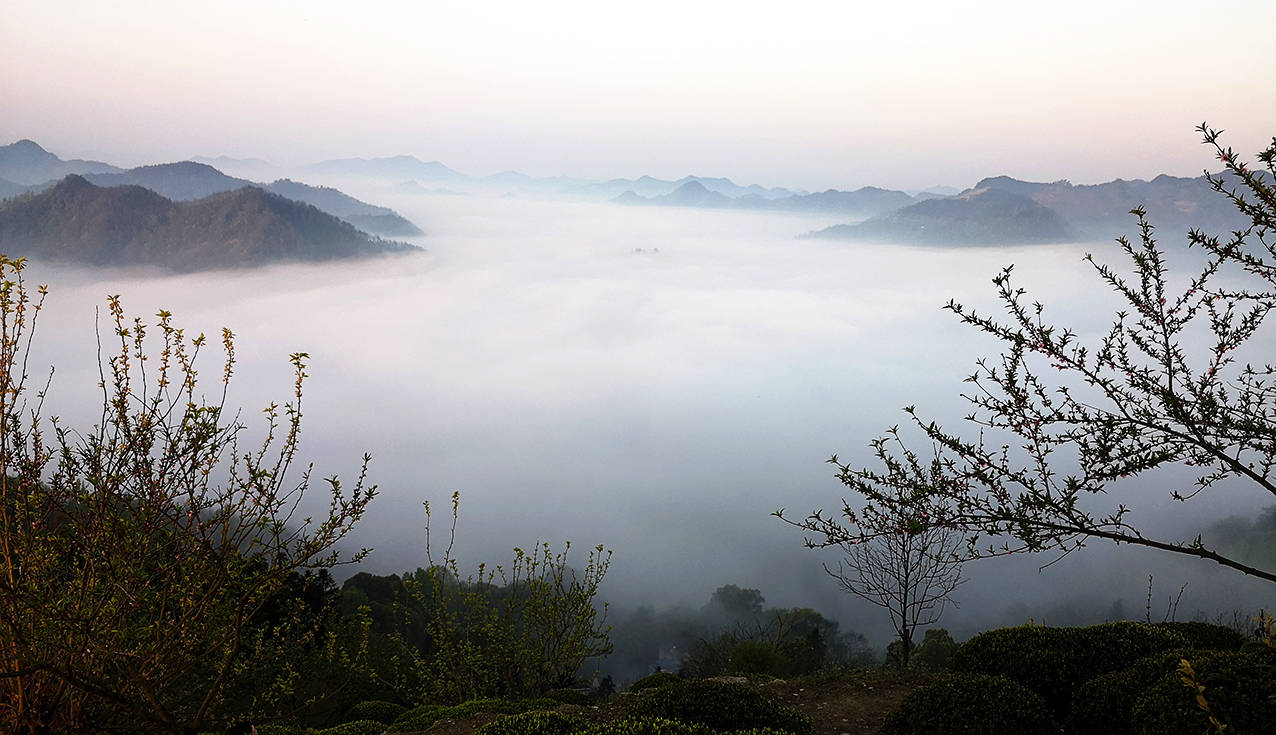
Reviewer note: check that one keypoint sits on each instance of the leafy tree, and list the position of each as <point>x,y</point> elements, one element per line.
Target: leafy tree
<point>1176,381</point>
<point>138,556</point>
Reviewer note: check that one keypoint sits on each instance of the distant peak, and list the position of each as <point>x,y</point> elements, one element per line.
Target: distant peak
<point>28,145</point>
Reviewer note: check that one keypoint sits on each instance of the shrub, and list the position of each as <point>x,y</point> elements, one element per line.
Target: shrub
<point>651,726</point>
<point>720,705</point>
<point>755,657</point>
<point>1206,635</point>
<point>421,718</point>
<point>935,652</point>
<point>535,723</point>
<point>1240,689</point>
<point>570,696</point>
<point>971,704</point>
<point>381,711</point>
<point>358,727</point>
<point>1105,704</point>
<point>652,681</point>
<point>1055,662</point>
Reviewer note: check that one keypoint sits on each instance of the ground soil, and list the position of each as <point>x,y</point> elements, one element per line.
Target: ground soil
<point>854,703</point>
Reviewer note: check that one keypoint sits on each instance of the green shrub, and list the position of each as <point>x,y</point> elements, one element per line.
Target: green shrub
<point>1056,662</point>
<point>754,657</point>
<point>1239,687</point>
<point>280,728</point>
<point>1206,635</point>
<point>421,718</point>
<point>720,705</point>
<point>651,681</point>
<point>971,704</point>
<point>650,726</point>
<point>358,727</point>
<point>1105,704</point>
<point>570,696</point>
<point>535,723</point>
<point>934,653</point>
<point>379,710</point>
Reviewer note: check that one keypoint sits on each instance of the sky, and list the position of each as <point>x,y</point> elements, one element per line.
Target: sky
<point>801,94</point>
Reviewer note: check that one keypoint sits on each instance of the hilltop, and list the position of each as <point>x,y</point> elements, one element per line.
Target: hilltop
<point>77,221</point>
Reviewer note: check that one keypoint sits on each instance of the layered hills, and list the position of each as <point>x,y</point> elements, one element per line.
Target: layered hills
<point>126,225</point>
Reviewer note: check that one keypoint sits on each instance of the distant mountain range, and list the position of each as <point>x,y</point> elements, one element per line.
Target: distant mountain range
<point>1003,210</point>
<point>864,202</point>
<point>77,221</point>
<point>189,180</point>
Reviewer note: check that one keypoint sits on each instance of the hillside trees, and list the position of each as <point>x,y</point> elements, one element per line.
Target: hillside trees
<point>1179,379</point>
<point>140,556</point>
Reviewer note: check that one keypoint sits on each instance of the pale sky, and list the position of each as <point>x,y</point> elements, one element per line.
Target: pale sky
<point>800,94</point>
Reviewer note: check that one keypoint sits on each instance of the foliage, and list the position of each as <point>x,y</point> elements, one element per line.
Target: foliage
<point>1239,689</point>
<point>755,657</point>
<point>569,696</point>
<point>1106,702</point>
<point>136,554</point>
<point>796,641</point>
<point>421,718</point>
<point>357,727</point>
<point>381,711</point>
<point>652,681</point>
<point>1061,423</point>
<point>511,631</point>
<point>1200,634</point>
<point>1056,662</point>
<point>535,723</point>
<point>971,704</point>
<point>935,652</point>
<point>720,705</point>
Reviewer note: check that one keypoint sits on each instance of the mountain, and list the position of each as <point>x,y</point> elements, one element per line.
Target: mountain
<point>396,167</point>
<point>130,225</point>
<point>981,216</point>
<point>248,168</point>
<point>367,217</point>
<point>187,180</point>
<point>1173,204</point>
<point>25,162</point>
<point>11,189</point>
<point>863,202</point>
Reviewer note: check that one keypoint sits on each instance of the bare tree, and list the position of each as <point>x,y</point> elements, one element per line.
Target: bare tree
<point>903,562</point>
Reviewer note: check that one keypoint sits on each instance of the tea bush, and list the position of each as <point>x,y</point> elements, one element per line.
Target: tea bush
<point>383,712</point>
<point>720,705</point>
<point>535,723</point>
<point>1240,689</point>
<point>971,704</point>
<point>658,679</point>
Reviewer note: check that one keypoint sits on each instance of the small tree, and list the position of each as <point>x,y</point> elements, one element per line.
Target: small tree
<point>1166,385</point>
<point>136,555</point>
<point>510,631</point>
<point>901,560</point>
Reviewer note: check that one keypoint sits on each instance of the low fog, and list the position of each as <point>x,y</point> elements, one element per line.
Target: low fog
<point>656,380</point>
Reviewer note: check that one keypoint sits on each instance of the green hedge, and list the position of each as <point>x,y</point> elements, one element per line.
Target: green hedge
<point>1240,688</point>
<point>381,711</point>
<point>719,705</point>
<point>421,718</point>
<point>1105,704</point>
<point>652,681</point>
<point>971,704</point>
<point>1056,662</point>
<point>535,723</point>
<point>358,727</point>
<point>1206,635</point>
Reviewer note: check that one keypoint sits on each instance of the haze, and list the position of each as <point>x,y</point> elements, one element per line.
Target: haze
<point>660,402</point>
<point>812,95</point>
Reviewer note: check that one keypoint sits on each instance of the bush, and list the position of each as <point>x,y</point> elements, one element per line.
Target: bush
<point>651,726</point>
<point>358,727</point>
<point>934,653</point>
<point>1240,689</point>
<point>1206,635</point>
<point>971,704</point>
<point>381,711</point>
<point>570,696</point>
<point>421,718</point>
<point>755,657</point>
<point>720,705</point>
<point>1105,704</point>
<point>535,723</point>
<point>1056,662</point>
<point>652,681</point>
